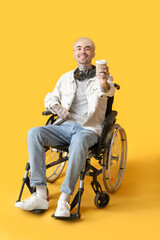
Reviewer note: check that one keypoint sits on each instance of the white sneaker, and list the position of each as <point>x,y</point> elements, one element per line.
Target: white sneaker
<point>63,209</point>
<point>33,203</point>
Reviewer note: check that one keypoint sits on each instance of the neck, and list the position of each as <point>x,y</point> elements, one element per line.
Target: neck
<point>83,67</point>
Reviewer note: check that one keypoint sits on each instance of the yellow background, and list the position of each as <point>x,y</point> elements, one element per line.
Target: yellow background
<point>36,49</point>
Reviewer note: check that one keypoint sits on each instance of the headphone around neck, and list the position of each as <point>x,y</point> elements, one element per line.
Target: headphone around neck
<point>80,75</point>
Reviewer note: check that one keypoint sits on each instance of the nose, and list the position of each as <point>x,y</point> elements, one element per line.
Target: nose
<point>82,51</point>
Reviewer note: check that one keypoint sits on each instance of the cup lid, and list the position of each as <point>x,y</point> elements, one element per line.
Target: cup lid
<point>101,61</point>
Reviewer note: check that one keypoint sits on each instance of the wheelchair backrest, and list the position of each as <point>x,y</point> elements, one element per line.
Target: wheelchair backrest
<point>110,101</point>
<point>109,105</point>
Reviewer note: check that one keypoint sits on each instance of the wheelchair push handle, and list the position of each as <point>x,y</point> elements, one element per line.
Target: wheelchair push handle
<point>116,86</point>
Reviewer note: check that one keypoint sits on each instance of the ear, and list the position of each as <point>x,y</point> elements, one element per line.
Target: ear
<point>94,54</point>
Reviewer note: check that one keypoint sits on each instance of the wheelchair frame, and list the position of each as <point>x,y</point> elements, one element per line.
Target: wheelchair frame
<point>103,151</point>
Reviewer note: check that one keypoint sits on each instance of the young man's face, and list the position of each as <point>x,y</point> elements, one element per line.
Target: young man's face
<point>83,53</point>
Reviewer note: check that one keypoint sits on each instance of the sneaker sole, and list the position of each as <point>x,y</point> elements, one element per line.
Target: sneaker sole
<point>38,211</point>
<point>73,216</point>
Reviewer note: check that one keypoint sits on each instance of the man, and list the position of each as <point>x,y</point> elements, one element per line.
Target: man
<point>80,98</point>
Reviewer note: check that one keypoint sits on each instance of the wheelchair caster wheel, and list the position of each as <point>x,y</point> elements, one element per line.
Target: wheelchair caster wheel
<point>101,200</point>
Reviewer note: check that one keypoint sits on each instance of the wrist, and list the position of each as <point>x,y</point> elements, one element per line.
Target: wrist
<point>106,86</point>
<point>56,107</point>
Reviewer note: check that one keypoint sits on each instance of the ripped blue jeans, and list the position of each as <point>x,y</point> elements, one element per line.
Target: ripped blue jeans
<point>72,134</point>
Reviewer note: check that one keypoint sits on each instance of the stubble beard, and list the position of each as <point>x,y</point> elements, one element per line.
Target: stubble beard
<point>84,65</point>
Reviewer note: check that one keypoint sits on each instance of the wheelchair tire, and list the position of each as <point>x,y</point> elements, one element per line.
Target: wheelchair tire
<point>101,200</point>
<point>53,172</point>
<point>114,158</point>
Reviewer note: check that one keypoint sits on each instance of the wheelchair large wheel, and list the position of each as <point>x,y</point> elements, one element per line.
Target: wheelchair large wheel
<point>114,158</point>
<point>53,172</point>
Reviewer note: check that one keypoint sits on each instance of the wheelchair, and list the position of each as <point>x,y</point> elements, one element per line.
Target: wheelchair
<point>110,151</point>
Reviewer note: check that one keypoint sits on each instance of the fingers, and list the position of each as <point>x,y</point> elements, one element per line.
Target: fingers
<point>64,113</point>
<point>103,72</point>
<point>61,111</point>
<point>104,75</point>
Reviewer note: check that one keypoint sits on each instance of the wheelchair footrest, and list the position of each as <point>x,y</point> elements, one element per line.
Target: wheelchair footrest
<point>73,216</point>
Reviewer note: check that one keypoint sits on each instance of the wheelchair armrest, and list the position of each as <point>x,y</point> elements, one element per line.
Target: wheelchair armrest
<point>53,118</point>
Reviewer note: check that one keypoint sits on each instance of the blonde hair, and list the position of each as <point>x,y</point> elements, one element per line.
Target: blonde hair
<point>85,39</point>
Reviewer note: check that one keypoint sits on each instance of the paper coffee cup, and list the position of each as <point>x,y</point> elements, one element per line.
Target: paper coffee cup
<point>99,64</point>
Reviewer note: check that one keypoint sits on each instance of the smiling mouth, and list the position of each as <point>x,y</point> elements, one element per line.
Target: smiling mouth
<point>83,56</point>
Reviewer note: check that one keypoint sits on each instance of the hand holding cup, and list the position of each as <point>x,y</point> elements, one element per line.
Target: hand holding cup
<point>102,71</point>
